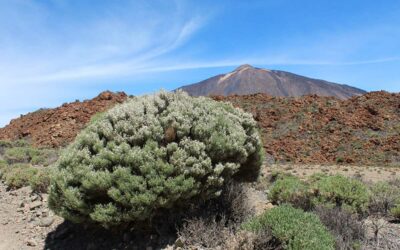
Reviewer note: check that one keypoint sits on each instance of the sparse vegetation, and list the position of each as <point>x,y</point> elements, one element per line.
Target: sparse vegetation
<point>395,211</point>
<point>320,189</point>
<point>28,154</point>
<point>177,165</point>
<point>210,233</point>
<point>339,191</point>
<point>384,198</point>
<point>18,175</point>
<point>18,155</point>
<point>17,169</point>
<point>41,180</point>
<point>295,228</point>
<point>347,228</point>
<point>290,189</point>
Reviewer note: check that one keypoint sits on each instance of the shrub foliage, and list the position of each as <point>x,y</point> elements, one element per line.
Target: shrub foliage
<point>340,191</point>
<point>18,175</point>
<point>290,189</point>
<point>384,197</point>
<point>153,153</point>
<point>294,227</point>
<point>346,227</point>
<point>320,189</point>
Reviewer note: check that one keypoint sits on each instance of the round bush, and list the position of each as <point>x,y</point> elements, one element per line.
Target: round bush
<point>290,189</point>
<point>295,228</point>
<point>153,153</point>
<point>340,191</point>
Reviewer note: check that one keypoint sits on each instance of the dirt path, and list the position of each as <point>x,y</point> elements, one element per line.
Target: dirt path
<point>25,219</point>
<point>365,173</point>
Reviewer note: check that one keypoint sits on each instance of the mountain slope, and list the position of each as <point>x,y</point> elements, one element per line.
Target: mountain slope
<point>250,80</point>
<point>59,126</point>
<point>325,130</point>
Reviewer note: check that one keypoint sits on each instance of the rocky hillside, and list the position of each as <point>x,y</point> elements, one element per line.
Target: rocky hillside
<point>59,126</point>
<point>311,129</point>
<point>250,80</point>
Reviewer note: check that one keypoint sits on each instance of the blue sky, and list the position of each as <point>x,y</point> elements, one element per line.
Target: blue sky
<point>55,51</point>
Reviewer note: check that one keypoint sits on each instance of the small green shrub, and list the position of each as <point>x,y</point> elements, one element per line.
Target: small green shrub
<point>383,197</point>
<point>44,157</point>
<point>320,189</point>
<point>289,189</point>
<point>5,144</point>
<point>18,175</point>
<point>151,154</point>
<point>41,180</point>
<point>20,154</point>
<point>28,154</point>
<point>20,143</point>
<point>395,211</point>
<point>17,155</point>
<point>3,167</point>
<point>295,228</point>
<point>340,191</point>
<point>39,159</point>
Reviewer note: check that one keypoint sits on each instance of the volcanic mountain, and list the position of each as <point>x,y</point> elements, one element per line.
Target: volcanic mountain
<point>247,79</point>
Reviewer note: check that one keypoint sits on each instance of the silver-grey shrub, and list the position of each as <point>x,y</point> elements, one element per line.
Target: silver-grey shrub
<point>154,153</point>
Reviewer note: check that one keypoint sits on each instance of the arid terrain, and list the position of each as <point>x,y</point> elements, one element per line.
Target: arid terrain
<point>26,223</point>
<point>363,130</point>
<point>59,126</point>
<point>358,138</point>
<point>199,125</point>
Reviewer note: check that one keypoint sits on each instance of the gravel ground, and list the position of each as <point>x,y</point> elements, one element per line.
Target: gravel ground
<point>25,220</point>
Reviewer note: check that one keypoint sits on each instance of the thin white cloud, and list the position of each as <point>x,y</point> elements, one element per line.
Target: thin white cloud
<point>271,61</point>
<point>101,46</point>
<point>41,52</point>
<point>117,45</point>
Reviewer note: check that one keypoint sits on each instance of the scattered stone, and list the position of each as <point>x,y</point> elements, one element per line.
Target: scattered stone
<point>31,243</point>
<point>46,222</point>
<point>43,130</point>
<point>35,205</point>
<point>34,197</point>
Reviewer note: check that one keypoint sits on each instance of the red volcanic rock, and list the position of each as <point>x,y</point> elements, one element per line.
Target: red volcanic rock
<point>311,129</point>
<point>59,126</point>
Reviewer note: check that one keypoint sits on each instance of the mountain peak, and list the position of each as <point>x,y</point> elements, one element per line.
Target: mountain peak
<point>244,66</point>
<point>247,79</point>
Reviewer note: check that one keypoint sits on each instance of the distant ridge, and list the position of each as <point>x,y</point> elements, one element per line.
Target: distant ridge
<point>247,79</point>
<point>58,126</point>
